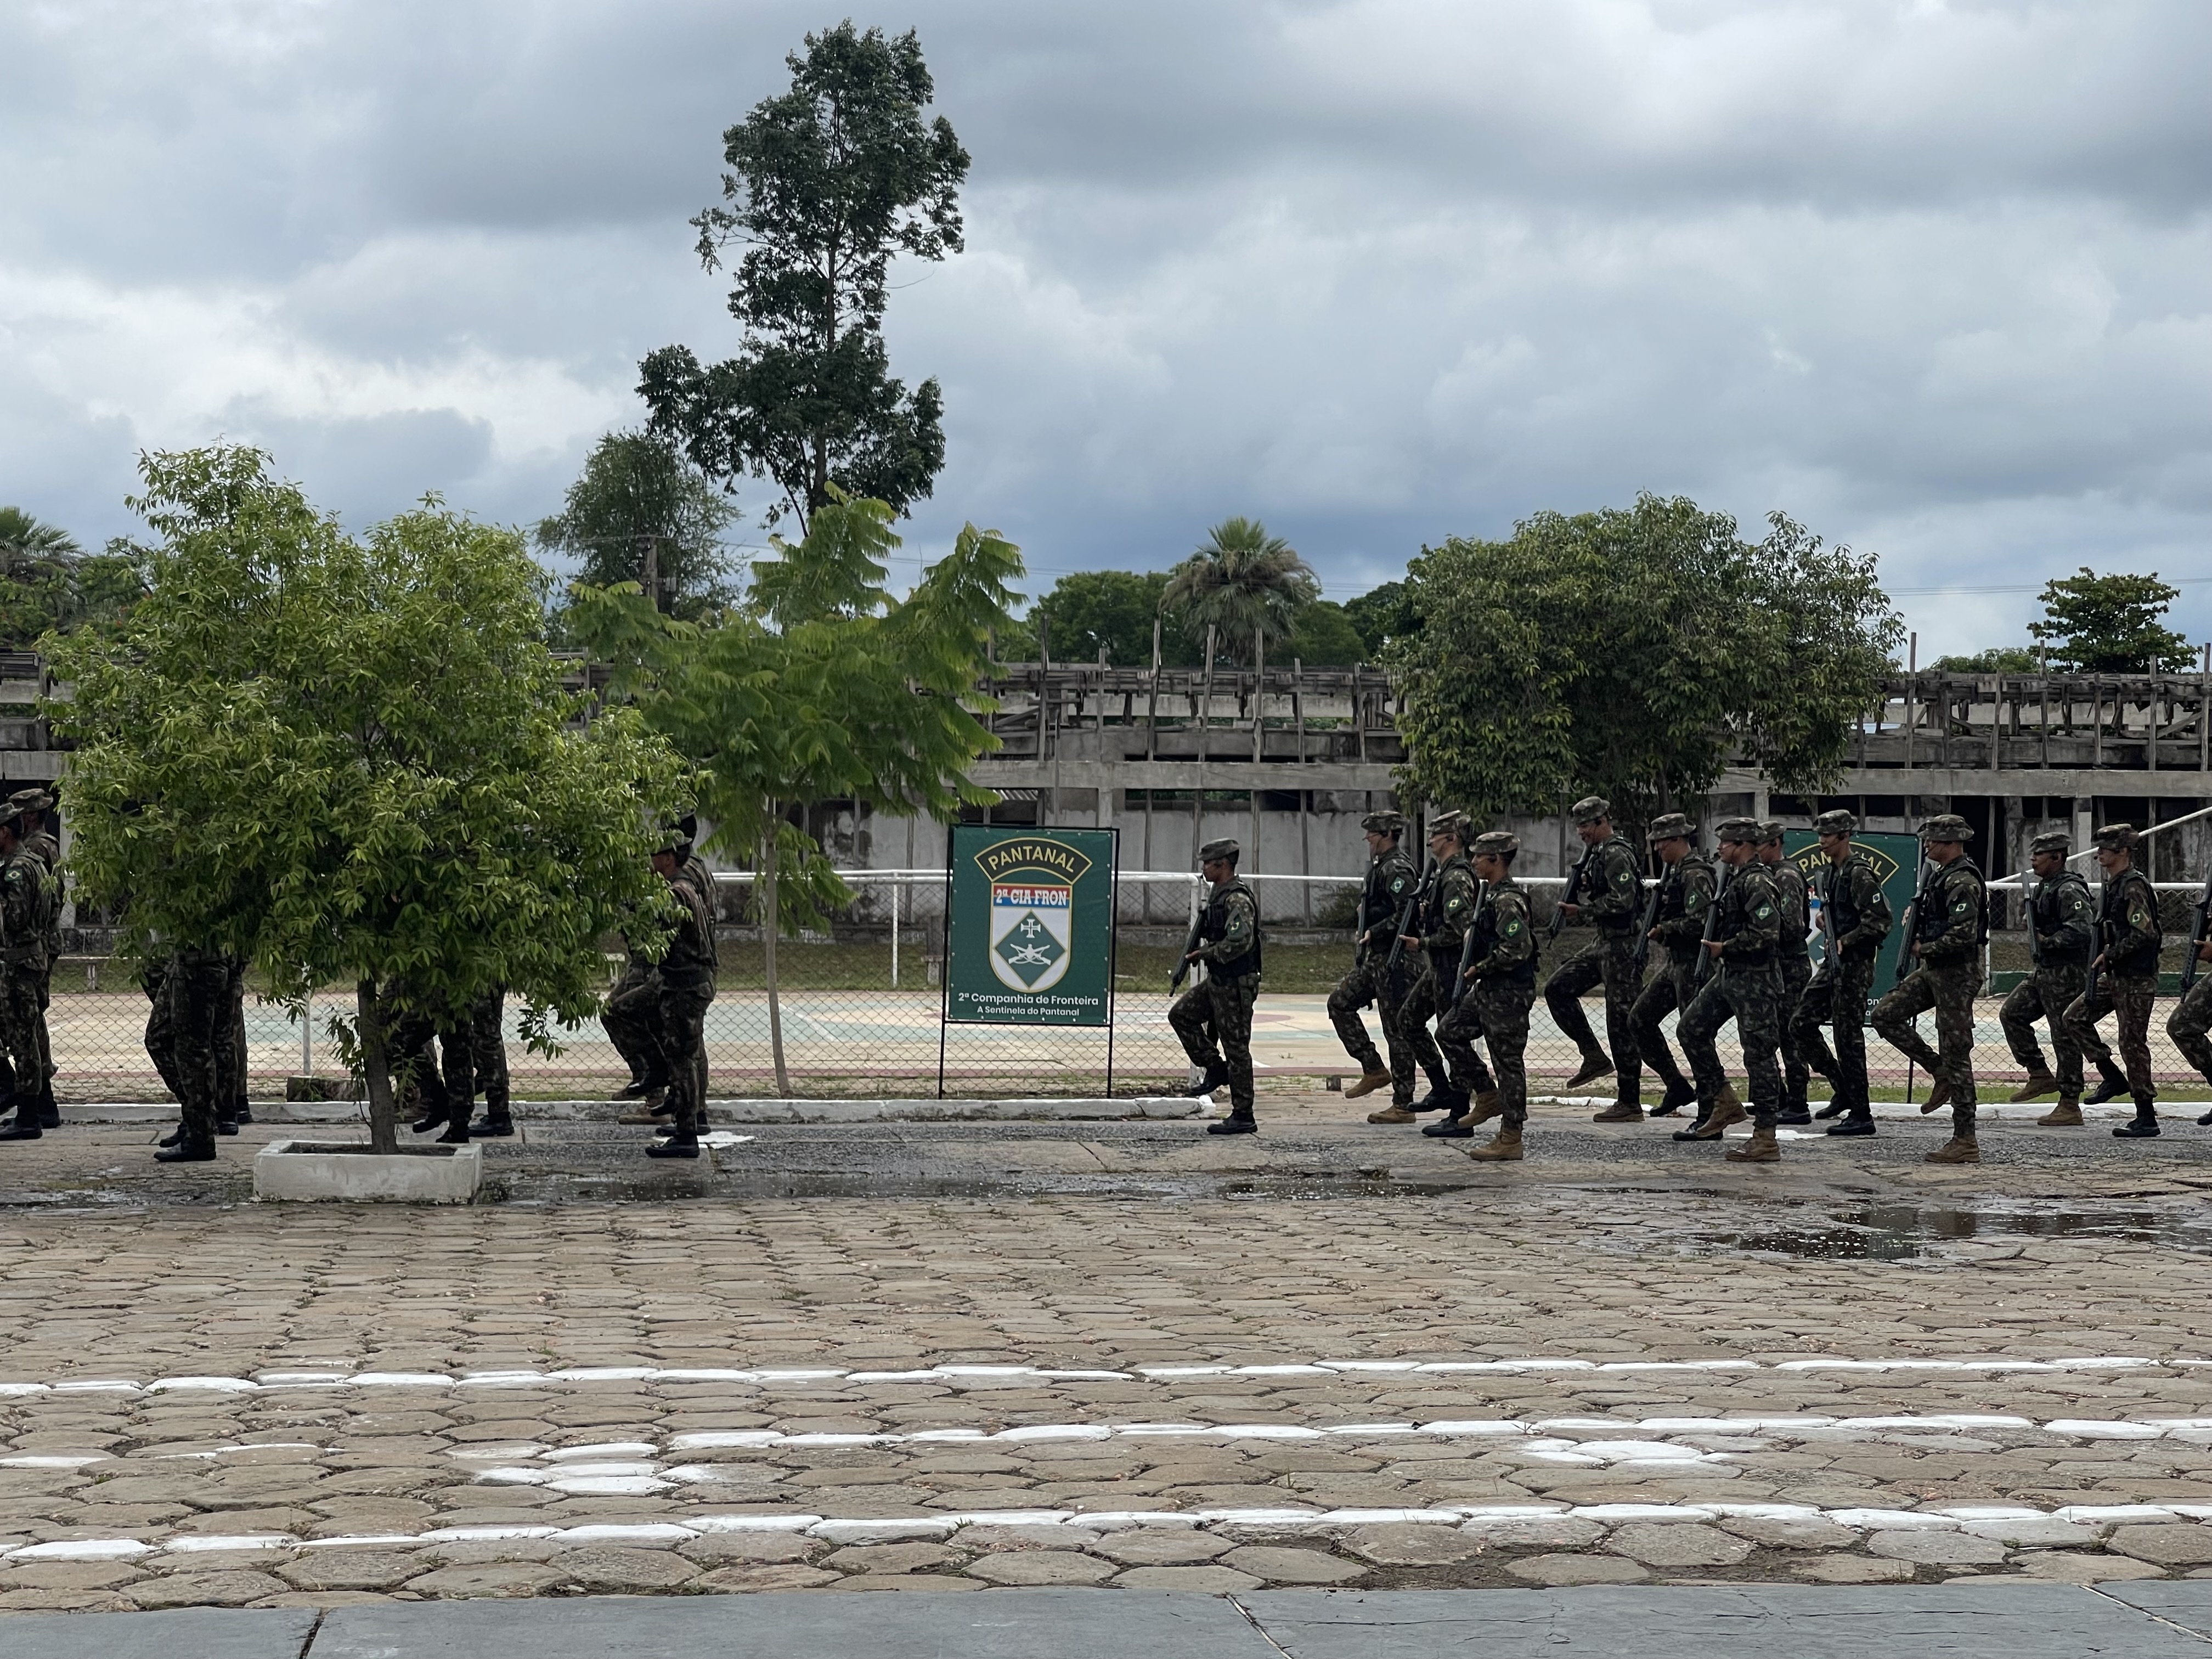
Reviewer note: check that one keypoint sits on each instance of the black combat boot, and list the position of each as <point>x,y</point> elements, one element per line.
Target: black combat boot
<point>187,1151</point>
<point>1859,1123</point>
<point>489,1128</point>
<point>1836,1107</point>
<point>50,1114</point>
<point>1238,1122</point>
<point>676,1145</point>
<point>243,1111</point>
<point>1678,1095</point>
<point>1216,1077</point>
<point>225,1124</point>
<point>639,1087</point>
<point>25,1125</point>
<point>2111,1084</point>
<point>2145,1127</point>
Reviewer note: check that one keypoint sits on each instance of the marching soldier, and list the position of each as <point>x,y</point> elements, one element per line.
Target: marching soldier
<point>1745,985</point>
<point>1499,987</point>
<point>1219,1008</point>
<point>22,958</point>
<point>1855,919</point>
<point>686,980</point>
<point>1685,893</point>
<point>1390,878</point>
<point>2124,972</point>
<point>1608,893</point>
<point>41,843</point>
<point>1795,962</point>
<point>2061,920</point>
<point>1442,924</point>
<point>488,1058</point>
<point>2192,1019</point>
<point>1950,915</point>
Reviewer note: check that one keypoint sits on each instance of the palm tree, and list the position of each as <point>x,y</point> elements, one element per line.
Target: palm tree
<point>26,540</point>
<point>1242,581</point>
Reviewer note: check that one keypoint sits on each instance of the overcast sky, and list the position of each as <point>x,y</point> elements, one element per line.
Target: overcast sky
<point>1934,278</point>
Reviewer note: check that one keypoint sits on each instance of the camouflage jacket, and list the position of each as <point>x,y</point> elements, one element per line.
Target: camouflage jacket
<point>1946,921</point>
<point>1450,910</point>
<point>1748,921</point>
<point>2130,924</point>
<point>1612,891</point>
<point>1504,943</point>
<point>1685,893</point>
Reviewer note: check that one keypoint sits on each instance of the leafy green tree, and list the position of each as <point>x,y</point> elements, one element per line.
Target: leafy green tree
<point>827,184</point>
<point>1324,635</point>
<point>1998,660</point>
<point>1114,610</point>
<point>1240,582</point>
<point>637,491</point>
<point>1382,614</point>
<point>2095,624</point>
<point>1633,654</point>
<point>824,686</point>
<point>354,760</point>
<point>47,582</point>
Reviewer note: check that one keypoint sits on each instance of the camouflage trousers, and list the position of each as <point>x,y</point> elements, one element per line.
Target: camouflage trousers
<point>1368,982</point>
<point>1422,1004</point>
<point>19,1031</point>
<point>1214,1020</point>
<point>1498,1014</point>
<point>632,1018</point>
<point>2131,996</point>
<point>197,987</point>
<point>2046,994</point>
<point>2190,1019</point>
<point>683,1009</point>
<point>161,1027</point>
<point>1751,997</point>
<point>1949,987</point>
<point>1670,989</point>
<point>230,1045</point>
<point>1796,1073</point>
<point>488,1051</point>
<point>1608,960</point>
<point>1836,995</point>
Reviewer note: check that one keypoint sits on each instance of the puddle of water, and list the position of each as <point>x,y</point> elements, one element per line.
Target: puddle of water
<point>1895,1232</point>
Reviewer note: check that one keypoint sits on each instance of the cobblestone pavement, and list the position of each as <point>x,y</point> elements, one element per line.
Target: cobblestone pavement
<point>960,1357</point>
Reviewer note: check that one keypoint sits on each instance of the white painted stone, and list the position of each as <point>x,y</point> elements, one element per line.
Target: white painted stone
<point>886,1531</point>
<point>308,1171</point>
<point>1892,1520</point>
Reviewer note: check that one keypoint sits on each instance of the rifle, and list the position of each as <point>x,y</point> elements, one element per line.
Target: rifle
<point>1644,924</point>
<point>1405,914</point>
<point>1910,925</point>
<point>1189,944</point>
<point>1574,887</point>
<point>2027,902</point>
<point>1713,921</point>
<point>1465,962</point>
<point>2196,937</point>
<point>1829,952</point>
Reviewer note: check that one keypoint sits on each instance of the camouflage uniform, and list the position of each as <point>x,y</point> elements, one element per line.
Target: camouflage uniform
<point>488,1053</point>
<point>46,847</point>
<point>2063,924</point>
<point>22,960</point>
<point>2189,1020</point>
<point>161,1025</point>
<point>1796,965</point>
<point>2128,932</point>
<point>1685,893</point>
<point>1745,985</point>
<point>686,991</point>
<point>1390,877</point>
<point>197,987</point>
<point>1855,919</point>
<point>1494,1004</point>
<point>1218,1010</point>
<point>1949,922</point>
<point>1442,927</point>
<point>1609,896</point>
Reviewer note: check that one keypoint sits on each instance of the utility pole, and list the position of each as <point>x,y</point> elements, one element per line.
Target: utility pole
<point>648,566</point>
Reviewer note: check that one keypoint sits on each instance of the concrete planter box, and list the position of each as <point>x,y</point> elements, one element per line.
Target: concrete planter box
<point>349,1171</point>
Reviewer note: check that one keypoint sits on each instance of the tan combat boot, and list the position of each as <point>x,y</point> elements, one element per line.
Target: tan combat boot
<point>1504,1149</point>
<point>2039,1083</point>
<point>1759,1148</point>
<point>1622,1111</point>
<point>1483,1107</point>
<point>2066,1114</point>
<point>1368,1084</point>
<point>1958,1149</point>
<point>1727,1109</point>
<point>1939,1096</point>
<point>1393,1115</point>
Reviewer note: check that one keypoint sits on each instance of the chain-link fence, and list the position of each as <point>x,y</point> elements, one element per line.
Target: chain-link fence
<point>859,1004</point>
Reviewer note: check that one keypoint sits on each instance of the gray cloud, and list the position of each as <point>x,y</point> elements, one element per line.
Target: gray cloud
<point>1933,277</point>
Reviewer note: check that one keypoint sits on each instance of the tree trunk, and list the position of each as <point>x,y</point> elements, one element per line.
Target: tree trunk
<point>771,924</point>
<point>376,1069</point>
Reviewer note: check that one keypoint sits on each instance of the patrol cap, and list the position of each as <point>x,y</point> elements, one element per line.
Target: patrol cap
<point>2054,840</point>
<point>1496,841</point>
<point>2116,838</point>
<point>11,817</point>
<point>1384,824</point>
<point>1837,821</point>
<point>1447,824</point>
<point>1226,847</point>
<point>31,800</point>
<point>1740,830</point>
<point>1946,826</point>
<point>669,838</point>
<point>1590,808</point>
<point>1671,826</point>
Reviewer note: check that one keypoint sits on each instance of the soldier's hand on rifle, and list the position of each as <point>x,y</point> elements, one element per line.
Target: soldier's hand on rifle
<point>1572,910</point>
<point>1713,945</point>
<point>2204,951</point>
<point>1412,939</point>
<point>2100,963</point>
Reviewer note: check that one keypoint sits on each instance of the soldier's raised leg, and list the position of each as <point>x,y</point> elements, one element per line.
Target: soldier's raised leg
<point>1503,1012</point>
<point>1563,995</point>
<point>1353,992</point>
<point>1658,999</point>
<point>2187,1026</point>
<point>1457,1032</point>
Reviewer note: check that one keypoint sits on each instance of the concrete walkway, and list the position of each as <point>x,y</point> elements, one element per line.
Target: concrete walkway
<point>2152,1621</point>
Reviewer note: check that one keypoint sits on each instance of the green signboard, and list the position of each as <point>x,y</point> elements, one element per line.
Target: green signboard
<point>1897,859</point>
<point>1029,935</point>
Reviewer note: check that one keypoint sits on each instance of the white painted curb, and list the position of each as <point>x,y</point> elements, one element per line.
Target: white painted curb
<point>718,1111</point>
<point>309,1170</point>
